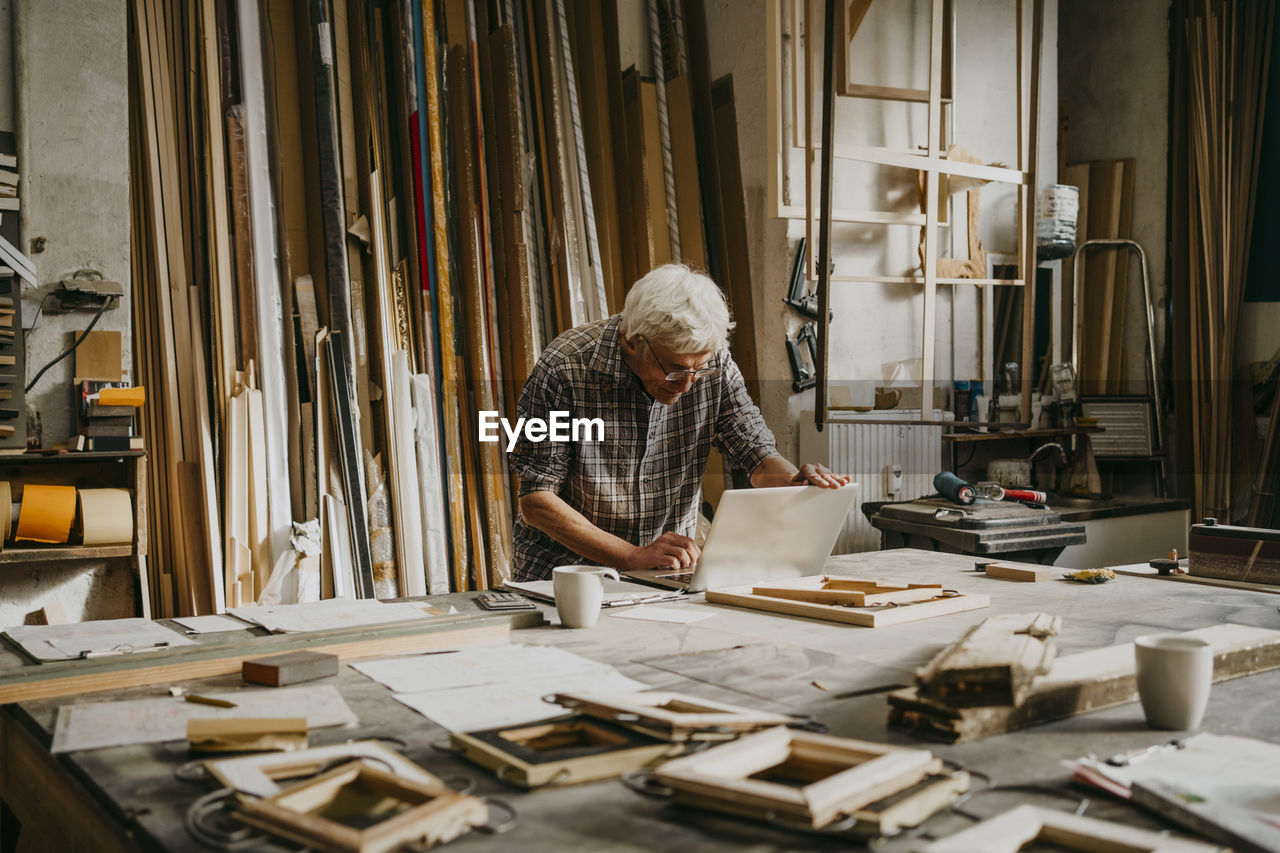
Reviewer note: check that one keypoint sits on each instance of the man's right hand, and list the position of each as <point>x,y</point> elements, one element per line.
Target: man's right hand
<point>668,551</point>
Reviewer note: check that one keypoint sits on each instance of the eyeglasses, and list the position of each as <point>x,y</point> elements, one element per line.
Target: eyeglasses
<point>680,374</point>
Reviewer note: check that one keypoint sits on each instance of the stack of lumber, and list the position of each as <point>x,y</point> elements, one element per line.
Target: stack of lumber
<point>357,225</point>
<point>977,688</point>
<point>1228,46</point>
<point>1106,212</point>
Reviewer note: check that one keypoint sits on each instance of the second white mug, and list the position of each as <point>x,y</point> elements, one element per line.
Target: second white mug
<point>1174,677</point>
<point>579,592</point>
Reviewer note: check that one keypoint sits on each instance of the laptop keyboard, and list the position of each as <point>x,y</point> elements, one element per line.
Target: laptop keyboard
<point>679,577</point>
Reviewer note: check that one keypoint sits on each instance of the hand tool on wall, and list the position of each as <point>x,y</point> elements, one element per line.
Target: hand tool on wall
<point>803,358</point>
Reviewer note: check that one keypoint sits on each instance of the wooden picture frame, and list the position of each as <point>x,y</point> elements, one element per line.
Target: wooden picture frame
<point>672,716</point>
<point>870,604</point>
<point>560,751</point>
<point>799,776</point>
<point>261,775</point>
<point>1008,832</point>
<point>357,808</point>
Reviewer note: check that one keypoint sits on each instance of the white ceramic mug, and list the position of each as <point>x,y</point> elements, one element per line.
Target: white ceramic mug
<point>579,592</point>
<point>1174,677</point>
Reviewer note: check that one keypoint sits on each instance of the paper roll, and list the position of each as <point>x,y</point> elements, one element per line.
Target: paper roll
<point>106,516</point>
<point>47,513</point>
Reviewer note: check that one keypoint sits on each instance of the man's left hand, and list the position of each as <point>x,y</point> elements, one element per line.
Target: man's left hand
<point>814,474</point>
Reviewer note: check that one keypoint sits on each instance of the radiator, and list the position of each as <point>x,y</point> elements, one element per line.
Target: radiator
<point>868,452</point>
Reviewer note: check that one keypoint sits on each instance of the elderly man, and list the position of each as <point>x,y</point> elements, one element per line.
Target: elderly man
<point>660,377</point>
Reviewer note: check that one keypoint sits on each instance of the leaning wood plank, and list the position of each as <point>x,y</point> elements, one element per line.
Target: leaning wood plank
<point>744,596</point>
<point>75,677</point>
<point>1080,683</point>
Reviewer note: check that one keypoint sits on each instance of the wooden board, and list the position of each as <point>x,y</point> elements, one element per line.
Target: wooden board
<point>993,663</point>
<point>1018,573</point>
<point>72,678</point>
<point>745,596</point>
<point>289,668</point>
<point>1077,684</point>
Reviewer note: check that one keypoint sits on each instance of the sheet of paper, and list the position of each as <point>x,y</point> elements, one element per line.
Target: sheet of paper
<point>478,665</point>
<point>66,642</point>
<point>211,624</point>
<point>616,593</point>
<point>652,613</point>
<point>487,706</point>
<point>1237,770</point>
<point>102,724</point>
<point>329,615</point>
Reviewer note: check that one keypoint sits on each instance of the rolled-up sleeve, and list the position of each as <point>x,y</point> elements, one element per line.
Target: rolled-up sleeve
<point>741,433</point>
<point>544,465</point>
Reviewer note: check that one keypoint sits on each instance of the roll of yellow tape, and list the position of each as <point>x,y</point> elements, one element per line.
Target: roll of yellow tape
<point>122,396</point>
<point>106,516</point>
<point>47,513</point>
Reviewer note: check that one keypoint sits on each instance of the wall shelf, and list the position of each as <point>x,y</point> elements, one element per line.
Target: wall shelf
<point>44,554</point>
<point>1026,433</point>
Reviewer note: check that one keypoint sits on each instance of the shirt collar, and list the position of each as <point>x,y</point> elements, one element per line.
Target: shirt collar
<point>607,358</point>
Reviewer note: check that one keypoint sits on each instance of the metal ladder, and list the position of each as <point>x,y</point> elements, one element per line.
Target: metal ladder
<point>1161,455</point>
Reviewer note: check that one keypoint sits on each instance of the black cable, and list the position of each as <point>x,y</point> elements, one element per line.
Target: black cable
<point>68,350</point>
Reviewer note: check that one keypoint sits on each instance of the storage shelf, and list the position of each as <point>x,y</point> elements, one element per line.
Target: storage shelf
<point>39,554</point>
<point>1026,433</point>
<point>67,457</point>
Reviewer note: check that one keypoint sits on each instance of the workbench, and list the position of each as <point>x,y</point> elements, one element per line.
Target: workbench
<point>128,798</point>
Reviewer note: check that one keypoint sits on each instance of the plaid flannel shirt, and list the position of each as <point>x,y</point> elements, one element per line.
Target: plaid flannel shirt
<point>645,477</point>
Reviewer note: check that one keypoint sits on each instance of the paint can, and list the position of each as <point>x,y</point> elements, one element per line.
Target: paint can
<point>1056,225</point>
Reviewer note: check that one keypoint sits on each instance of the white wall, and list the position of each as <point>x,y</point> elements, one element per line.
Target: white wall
<point>1115,79</point>
<point>6,66</point>
<point>879,323</point>
<point>72,115</point>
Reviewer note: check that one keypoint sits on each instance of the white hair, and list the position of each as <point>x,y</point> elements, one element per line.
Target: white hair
<point>678,308</point>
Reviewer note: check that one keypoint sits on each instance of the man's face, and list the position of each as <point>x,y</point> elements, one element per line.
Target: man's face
<point>653,363</point>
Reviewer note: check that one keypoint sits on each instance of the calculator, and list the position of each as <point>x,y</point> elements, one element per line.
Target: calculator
<point>504,601</point>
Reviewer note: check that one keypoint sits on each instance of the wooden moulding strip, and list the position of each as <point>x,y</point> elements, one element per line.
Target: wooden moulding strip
<point>1077,684</point>
<point>69,678</point>
<point>267,278</point>
<point>405,509</point>
<point>1027,237</point>
<point>447,393</point>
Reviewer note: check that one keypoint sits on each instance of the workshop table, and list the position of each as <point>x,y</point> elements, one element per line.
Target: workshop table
<point>128,797</point>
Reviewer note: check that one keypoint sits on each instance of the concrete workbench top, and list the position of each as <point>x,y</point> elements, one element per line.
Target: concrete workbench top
<point>837,674</point>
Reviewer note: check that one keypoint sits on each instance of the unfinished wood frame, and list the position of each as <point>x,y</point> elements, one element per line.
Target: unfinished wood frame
<point>263,774</point>
<point>1008,832</point>
<point>672,716</point>
<point>849,600</point>
<point>405,811</point>
<point>801,776</point>
<point>562,751</point>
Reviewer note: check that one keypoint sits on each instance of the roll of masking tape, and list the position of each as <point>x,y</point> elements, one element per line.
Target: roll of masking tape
<point>47,513</point>
<point>106,516</point>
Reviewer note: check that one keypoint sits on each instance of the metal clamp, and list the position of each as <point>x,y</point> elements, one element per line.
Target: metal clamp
<point>645,783</point>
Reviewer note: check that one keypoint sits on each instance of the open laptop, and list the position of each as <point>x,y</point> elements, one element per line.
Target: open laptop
<point>762,535</point>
